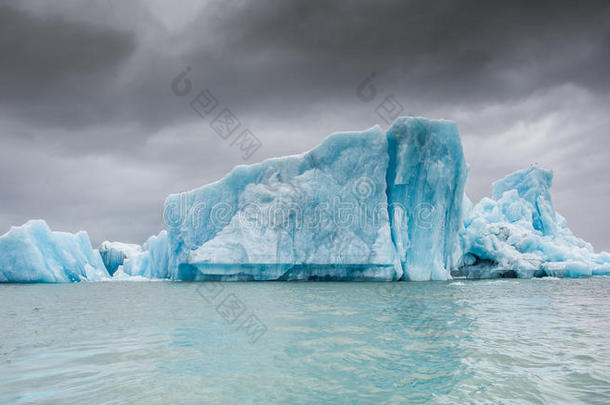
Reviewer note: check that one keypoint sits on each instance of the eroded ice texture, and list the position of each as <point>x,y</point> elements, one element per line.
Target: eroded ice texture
<point>324,214</point>
<point>518,233</point>
<point>426,177</point>
<point>150,262</point>
<point>114,254</point>
<point>32,253</point>
<point>318,215</point>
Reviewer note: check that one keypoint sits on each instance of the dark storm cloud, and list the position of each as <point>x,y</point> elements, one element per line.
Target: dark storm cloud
<point>93,137</point>
<point>429,52</point>
<point>442,51</point>
<point>53,69</point>
<point>46,50</point>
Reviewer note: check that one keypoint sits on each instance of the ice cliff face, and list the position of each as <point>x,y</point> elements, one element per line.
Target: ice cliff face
<point>425,184</point>
<point>318,215</point>
<point>517,233</point>
<point>33,254</point>
<point>361,206</point>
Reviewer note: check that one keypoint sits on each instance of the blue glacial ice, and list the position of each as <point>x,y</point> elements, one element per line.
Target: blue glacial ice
<point>425,186</point>
<point>361,206</point>
<point>114,254</point>
<point>518,233</point>
<point>32,253</point>
<point>318,215</point>
<point>368,205</point>
<point>151,261</point>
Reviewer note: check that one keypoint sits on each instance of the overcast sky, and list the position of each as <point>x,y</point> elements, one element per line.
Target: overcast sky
<point>92,136</point>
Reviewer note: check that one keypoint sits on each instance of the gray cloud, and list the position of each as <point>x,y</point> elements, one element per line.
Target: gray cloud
<point>94,139</point>
<point>54,69</point>
<point>449,52</point>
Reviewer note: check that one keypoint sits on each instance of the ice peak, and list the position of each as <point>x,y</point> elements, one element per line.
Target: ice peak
<point>530,183</point>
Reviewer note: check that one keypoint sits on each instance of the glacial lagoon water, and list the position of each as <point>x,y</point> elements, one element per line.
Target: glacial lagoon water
<point>489,342</point>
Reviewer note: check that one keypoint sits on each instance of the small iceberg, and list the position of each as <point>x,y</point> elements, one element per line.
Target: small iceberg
<point>32,253</point>
<point>518,233</point>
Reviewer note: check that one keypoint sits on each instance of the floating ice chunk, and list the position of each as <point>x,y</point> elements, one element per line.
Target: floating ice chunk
<point>150,262</point>
<point>32,253</point>
<point>115,253</point>
<point>518,233</point>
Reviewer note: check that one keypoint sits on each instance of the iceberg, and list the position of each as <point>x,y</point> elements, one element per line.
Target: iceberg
<point>518,233</point>
<point>150,261</point>
<point>114,254</point>
<point>361,206</point>
<point>369,205</point>
<point>32,253</point>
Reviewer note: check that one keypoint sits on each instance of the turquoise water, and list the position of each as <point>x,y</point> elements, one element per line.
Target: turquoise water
<point>488,342</point>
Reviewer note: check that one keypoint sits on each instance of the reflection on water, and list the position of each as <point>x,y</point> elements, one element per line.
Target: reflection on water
<point>505,341</point>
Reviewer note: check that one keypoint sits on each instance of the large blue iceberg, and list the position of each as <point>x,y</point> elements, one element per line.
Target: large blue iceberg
<point>368,205</point>
<point>361,206</point>
<point>32,253</point>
